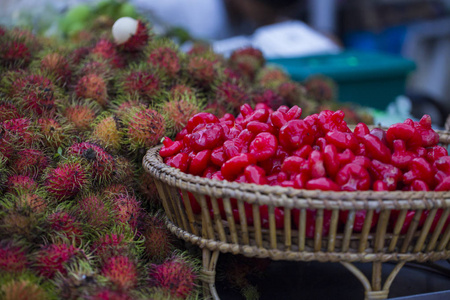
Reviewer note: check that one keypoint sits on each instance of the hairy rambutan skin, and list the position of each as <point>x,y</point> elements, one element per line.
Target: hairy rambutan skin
<point>201,70</point>
<point>8,111</point>
<point>94,211</point>
<point>271,77</point>
<point>175,275</point>
<point>106,133</point>
<point>30,162</point>
<point>93,86</point>
<point>138,40</point>
<point>166,60</point>
<point>125,171</point>
<point>247,61</point>
<point>113,244</point>
<point>16,134</point>
<point>26,83</point>
<point>53,258</point>
<point>20,183</point>
<point>178,112</point>
<point>13,259</point>
<point>102,162</point>
<point>106,49</point>
<point>106,294</point>
<point>22,289</point>
<point>145,128</point>
<point>158,242</point>
<point>121,272</point>
<point>64,224</point>
<point>320,88</point>
<point>56,64</point>
<point>127,209</point>
<point>268,97</point>
<point>14,54</point>
<point>80,116</point>
<point>54,134</point>
<point>147,188</point>
<point>66,180</point>
<point>231,95</point>
<point>18,223</point>
<point>142,84</point>
<point>79,54</point>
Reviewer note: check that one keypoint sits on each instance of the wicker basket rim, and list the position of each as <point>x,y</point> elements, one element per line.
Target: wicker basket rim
<point>153,163</point>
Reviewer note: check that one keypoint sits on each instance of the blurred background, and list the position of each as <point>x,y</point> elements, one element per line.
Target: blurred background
<point>391,56</point>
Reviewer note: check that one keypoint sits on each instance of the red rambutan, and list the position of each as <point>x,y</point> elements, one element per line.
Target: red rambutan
<point>57,65</point>
<point>14,54</point>
<point>268,97</point>
<point>142,84</point>
<point>320,88</point>
<point>127,209</point>
<point>30,162</point>
<point>271,77</point>
<point>66,180</point>
<point>113,244</point>
<point>176,275</point>
<point>102,162</point>
<point>93,86</point>
<point>8,111</point>
<point>247,61</point>
<point>94,211</point>
<point>106,49</point>
<point>147,187</point>
<point>21,183</point>
<point>144,128</point>
<point>64,224</point>
<point>106,133</point>
<point>80,116</point>
<point>178,112</point>
<point>54,135</point>
<point>13,258</point>
<point>130,35</point>
<point>23,289</point>
<point>166,60</point>
<point>106,294</point>
<point>232,95</point>
<point>16,133</point>
<point>158,242</point>
<point>201,70</point>
<point>121,272</point>
<point>53,258</point>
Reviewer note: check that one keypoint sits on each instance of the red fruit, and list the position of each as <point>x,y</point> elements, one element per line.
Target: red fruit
<point>145,128</point>
<point>207,136</point>
<point>102,162</point>
<point>166,60</point>
<point>110,245</point>
<point>81,116</point>
<point>175,275</point>
<point>295,134</point>
<point>263,146</point>
<point>14,54</point>
<point>20,183</point>
<point>311,216</point>
<point>269,98</point>
<point>30,162</point>
<point>201,70</point>
<point>64,224</point>
<point>143,84</point>
<point>54,134</point>
<point>247,61</point>
<point>92,86</point>
<point>8,111</point>
<point>66,180</point>
<point>19,132</point>
<point>105,294</point>
<point>231,95</point>
<point>13,259</point>
<point>158,239</point>
<point>94,212</point>
<point>107,50</point>
<point>121,272</point>
<point>138,40</point>
<point>127,209</point>
<point>53,258</point>
<point>57,65</point>
<point>292,93</point>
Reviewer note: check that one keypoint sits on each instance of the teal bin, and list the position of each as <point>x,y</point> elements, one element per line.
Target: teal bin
<point>366,78</point>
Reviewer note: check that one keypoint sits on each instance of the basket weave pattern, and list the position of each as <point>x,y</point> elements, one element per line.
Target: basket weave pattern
<point>216,233</point>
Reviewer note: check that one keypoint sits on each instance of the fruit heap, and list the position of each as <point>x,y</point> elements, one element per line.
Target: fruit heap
<point>79,217</point>
<point>318,152</point>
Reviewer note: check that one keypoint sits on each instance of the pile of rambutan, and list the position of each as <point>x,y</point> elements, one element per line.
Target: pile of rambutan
<point>79,217</point>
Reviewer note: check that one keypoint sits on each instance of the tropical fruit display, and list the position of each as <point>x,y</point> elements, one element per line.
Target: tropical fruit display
<point>80,218</point>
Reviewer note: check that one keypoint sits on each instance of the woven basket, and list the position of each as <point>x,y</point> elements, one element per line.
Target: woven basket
<point>216,233</point>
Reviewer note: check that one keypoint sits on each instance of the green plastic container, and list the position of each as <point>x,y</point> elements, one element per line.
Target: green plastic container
<point>367,78</point>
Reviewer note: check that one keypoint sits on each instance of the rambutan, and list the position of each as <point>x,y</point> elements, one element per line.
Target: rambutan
<point>102,163</point>
<point>23,289</point>
<point>14,54</point>
<point>105,49</point>
<point>65,225</point>
<point>94,211</point>
<point>80,116</point>
<point>201,70</point>
<point>147,188</point>
<point>79,54</point>
<point>268,97</point>
<point>107,294</point>
<point>13,258</point>
<point>54,134</point>
<point>247,61</point>
<point>38,101</point>
<point>57,65</point>
<point>231,95</point>
<point>320,88</point>
<point>117,243</point>
<point>178,112</point>
<point>181,91</point>
<point>30,162</point>
<point>93,86</point>
<point>165,60</point>
<point>66,180</point>
<point>8,111</point>
<point>16,220</point>
<point>125,171</point>
<point>16,134</point>
<point>130,35</point>
<point>22,183</point>
<point>144,128</point>
<point>97,66</point>
<point>271,77</point>
<point>127,209</point>
<point>121,271</point>
<point>106,132</point>
<point>53,258</point>
<point>142,84</point>
<point>177,275</point>
<point>115,189</point>
<point>123,105</point>
<point>30,82</point>
<point>158,241</point>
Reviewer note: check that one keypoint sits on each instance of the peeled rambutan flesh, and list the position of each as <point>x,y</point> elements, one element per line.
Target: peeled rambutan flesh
<point>130,35</point>
<point>66,180</point>
<point>30,162</point>
<point>175,275</point>
<point>102,162</point>
<point>13,259</point>
<point>145,128</point>
<point>92,86</point>
<point>53,258</point>
<point>121,272</point>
